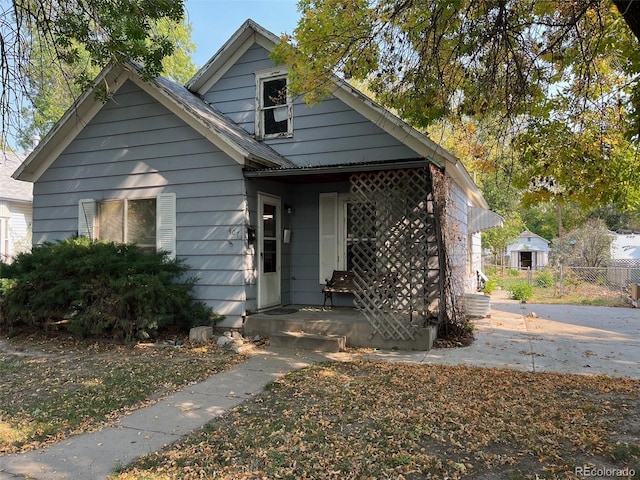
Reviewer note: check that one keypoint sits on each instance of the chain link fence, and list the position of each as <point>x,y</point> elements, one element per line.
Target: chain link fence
<point>606,283</point>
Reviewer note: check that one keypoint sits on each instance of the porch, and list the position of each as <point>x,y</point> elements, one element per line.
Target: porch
<point>345,322</point>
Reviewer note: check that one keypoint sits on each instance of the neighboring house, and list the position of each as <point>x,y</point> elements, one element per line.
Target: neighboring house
<point>15,209</point>
<point>528,251</point>
<point>625,248</point>
<point>624,265</point>
<point>264,196</point>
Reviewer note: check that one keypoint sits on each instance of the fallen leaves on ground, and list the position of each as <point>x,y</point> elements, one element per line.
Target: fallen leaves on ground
<point>55,387</point>
<point>367,420</point>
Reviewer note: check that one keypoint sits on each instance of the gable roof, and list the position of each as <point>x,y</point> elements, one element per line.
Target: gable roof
<point>528,234</point>
<point>11,189</point>
<point>250,32</point>
<point>204,118</point>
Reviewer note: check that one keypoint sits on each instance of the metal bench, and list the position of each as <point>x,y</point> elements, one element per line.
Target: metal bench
<point>340,282</point>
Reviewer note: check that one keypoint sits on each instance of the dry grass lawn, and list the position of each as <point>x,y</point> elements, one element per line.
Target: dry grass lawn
<point>366,420</point>
<point>55,387</point>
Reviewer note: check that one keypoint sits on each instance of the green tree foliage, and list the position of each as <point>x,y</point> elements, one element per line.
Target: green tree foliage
<point>97,289</point>
<point>53,88</point>
<point>109,31</point>
<point>555,79</point>
<point>497,239</point>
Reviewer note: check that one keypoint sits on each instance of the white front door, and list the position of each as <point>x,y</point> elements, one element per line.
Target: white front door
<point>269,213</point>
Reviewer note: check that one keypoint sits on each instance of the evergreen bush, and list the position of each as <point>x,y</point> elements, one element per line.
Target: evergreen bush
<point>98,289</point>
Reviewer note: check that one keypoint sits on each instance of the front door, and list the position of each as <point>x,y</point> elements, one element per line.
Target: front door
<point>268,251</point>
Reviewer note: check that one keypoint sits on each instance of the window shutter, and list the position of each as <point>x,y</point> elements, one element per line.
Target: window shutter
<point>328,249</point>
<point>166,223</point>
<point>86,218</point>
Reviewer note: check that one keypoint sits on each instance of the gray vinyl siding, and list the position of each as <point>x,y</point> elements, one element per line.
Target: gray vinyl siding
<point>328,133</point>
<point>136,148</point>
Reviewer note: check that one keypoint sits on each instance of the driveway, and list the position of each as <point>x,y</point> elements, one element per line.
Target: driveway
<point>546,338</point>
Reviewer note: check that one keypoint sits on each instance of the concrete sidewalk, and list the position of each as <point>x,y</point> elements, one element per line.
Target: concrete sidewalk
<point>95,455</point>
<point>528,337</point>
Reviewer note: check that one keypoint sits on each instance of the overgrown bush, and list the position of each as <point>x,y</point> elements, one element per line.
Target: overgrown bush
<point>513,272</point>
<point>520,291</point>
<point>544,280</point>
<point>490,285</point>
<point>98,289</point>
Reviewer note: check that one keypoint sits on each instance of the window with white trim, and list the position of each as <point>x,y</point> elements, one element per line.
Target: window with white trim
<point>128,221</point>
<point>274,106</point>
<point>148,222</point>
<point>5,245</point>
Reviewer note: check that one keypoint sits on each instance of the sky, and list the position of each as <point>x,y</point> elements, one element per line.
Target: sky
<point>214,21</point>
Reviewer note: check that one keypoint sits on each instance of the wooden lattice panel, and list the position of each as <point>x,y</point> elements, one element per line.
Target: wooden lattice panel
<point>395,254</point>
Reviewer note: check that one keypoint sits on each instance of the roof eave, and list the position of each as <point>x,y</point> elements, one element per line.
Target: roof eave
<point>59,137</point>
<point>248,33</point>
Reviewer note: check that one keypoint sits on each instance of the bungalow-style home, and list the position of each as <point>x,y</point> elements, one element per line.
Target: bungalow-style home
<point>528,251</point>
<point>263,196</point>
<point>16,199</point>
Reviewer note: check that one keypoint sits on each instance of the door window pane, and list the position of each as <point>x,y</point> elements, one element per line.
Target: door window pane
<point>269,221</point>
<point>269,256</point>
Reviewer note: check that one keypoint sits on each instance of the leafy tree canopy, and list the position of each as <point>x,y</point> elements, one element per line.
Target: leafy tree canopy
<point>52,88</point>
<point>109,31</point>
<point>557,80</point>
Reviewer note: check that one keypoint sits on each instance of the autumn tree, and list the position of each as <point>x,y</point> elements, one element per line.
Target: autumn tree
<point>109,32</point>
<point>586,246</point>
<point>52,88</point>
<point>496,240</point>
<point>526,65</point>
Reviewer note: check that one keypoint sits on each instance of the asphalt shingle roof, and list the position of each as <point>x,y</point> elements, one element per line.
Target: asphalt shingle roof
<point>11,189</point>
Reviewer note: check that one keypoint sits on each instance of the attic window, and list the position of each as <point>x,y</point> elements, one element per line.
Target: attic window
<point>274,109</point>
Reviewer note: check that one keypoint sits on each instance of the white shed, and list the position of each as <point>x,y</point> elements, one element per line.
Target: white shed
<point>528,251</point>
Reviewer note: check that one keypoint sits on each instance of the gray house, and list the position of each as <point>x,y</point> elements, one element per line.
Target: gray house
<point>15,209</point>
<point>262,195</point>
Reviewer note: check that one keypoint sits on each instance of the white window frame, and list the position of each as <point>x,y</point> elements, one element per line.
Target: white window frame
<point>125,217</point>
<point>261,78</point>
<point>5,244</point>
<point>165,220</point>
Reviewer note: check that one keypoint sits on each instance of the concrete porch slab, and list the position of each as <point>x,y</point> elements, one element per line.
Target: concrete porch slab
<point>339,321</point>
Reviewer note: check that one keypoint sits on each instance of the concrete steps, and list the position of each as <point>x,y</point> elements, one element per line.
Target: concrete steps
<point>309,341</point>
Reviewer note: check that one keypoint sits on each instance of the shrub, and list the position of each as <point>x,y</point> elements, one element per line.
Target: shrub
<point>544,280</point>
<point>490,285</point>
<point>98,289</point>
<point>521,291</point>
<point>514,272</point>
